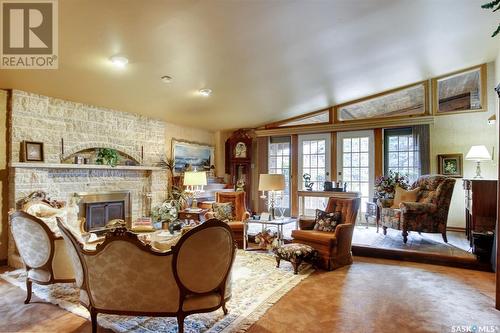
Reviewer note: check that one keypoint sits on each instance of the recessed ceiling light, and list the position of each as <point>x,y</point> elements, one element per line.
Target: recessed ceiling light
<point>166,78</point>
<point>205,92</point>
<point>119,61</point>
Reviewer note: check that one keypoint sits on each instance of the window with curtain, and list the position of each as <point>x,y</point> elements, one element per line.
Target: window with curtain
<point>406,151</point>
<point>279,162</point>
<point>401,153</point>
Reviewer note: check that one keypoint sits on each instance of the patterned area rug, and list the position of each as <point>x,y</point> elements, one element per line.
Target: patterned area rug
<point>257,285</point>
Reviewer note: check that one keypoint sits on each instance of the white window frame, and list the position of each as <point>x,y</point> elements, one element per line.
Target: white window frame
<point>371,157</point>
<point>287,179</point>
<point>308,137</point>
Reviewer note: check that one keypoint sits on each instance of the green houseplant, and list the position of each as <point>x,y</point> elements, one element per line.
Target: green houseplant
<point>108,156</point>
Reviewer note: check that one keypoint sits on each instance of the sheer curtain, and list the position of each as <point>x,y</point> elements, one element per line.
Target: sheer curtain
<point>421,140</point>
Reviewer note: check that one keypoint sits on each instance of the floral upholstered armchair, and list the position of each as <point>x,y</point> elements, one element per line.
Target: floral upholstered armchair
<point>428,214</point>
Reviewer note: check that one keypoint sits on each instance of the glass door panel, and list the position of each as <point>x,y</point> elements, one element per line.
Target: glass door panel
<point>355,162</point>
<point>314,160</point>
<point>279,162</point>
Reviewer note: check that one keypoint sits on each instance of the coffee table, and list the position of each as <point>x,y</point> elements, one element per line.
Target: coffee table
<point>278,223</point>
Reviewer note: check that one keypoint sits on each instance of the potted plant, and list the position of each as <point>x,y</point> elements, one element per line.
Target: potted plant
<point>166,212</point>
<point>108,156</point>
<point>385,186</point>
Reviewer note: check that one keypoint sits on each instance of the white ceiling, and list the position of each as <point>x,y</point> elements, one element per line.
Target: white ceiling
<point>264,60</point>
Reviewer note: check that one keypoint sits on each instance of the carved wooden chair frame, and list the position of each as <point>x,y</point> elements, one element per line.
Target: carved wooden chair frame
<point>122,234</point>
<point>48,265</point>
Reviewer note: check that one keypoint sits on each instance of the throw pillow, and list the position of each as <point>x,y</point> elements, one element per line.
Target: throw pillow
<point>327,221</point>
<point>223,211</point>
<point>403,195</point>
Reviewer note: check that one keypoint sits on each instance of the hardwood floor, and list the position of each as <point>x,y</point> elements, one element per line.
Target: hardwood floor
<point>372,295</point>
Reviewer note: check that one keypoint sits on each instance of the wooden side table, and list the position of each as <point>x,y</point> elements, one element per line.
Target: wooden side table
<point>188,215</point>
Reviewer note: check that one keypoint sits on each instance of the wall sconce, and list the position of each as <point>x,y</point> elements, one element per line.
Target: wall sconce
<point>492,120</point>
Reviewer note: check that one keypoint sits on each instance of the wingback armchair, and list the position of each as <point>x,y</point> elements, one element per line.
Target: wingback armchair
<point>42,251</point>
<point>240,213</point>
<point>428,214</point>
<point>124,276</point>
<point>334,248</point>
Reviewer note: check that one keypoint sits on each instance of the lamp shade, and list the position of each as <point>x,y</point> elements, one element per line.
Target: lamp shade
<point>271,182</point>
<point>195,178</point>
<point>478,153</point>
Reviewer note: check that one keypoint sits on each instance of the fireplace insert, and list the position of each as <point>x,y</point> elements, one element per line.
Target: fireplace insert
<point>100,208</point>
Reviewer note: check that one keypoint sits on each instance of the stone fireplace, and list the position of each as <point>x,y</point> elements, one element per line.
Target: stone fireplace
<point>66,129</point>
<point>99,208</point>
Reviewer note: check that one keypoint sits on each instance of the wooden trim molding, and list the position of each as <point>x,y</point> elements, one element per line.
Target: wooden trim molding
<point>294,175</point>
<point>262,167</point>
<point>379,152</point>
<point>333,157</point>
<point>279,124</point>
<point>455,229</point>
<point>347,126</point>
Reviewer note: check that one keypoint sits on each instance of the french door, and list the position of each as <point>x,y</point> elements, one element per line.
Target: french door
<point>356,163</point>
<point>314,161</point>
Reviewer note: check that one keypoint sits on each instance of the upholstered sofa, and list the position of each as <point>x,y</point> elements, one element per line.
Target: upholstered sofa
<point>334,248</point>
<point>240,213</point>
<point>124,276</point>
<point>428,214</point>
<point>42,251</point>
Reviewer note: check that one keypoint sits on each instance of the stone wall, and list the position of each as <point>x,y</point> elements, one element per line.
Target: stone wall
<point>48,120</point>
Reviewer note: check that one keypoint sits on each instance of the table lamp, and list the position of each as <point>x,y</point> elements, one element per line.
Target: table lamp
<point>194,182</point>
<point>478,153</point>
<point>271,183</point>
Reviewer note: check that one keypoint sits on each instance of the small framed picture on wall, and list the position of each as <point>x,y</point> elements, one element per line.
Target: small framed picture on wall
<point>32,151</point>
<point>450,165</point>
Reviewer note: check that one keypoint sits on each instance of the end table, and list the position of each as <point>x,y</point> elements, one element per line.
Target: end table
<point>192,215</point>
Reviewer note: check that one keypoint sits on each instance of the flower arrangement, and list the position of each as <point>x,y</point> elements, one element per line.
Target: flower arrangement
<point>166,212</point>
<point>385,186</point>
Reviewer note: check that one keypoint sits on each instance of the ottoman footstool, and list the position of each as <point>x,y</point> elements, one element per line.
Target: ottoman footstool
<point>295,253</point>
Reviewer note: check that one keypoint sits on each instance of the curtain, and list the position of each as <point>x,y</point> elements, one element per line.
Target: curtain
<point>421,140</point>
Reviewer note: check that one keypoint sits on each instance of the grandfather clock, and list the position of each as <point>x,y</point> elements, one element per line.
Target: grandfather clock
<point>239,161</point>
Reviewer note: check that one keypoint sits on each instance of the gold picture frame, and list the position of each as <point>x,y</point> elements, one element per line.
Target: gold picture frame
<point>199,156</point>
<point>451,165</point>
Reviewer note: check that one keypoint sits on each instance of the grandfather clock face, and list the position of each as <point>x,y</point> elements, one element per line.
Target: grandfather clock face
<point>240,150</point>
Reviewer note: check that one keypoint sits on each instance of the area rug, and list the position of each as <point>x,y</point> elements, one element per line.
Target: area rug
<point>257,285</point>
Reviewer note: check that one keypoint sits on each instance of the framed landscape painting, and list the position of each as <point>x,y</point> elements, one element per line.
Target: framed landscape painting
<point>450,165</point>
<point>192,156</point>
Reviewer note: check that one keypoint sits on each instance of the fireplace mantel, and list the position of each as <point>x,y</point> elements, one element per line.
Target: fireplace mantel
<point>83,166</point>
